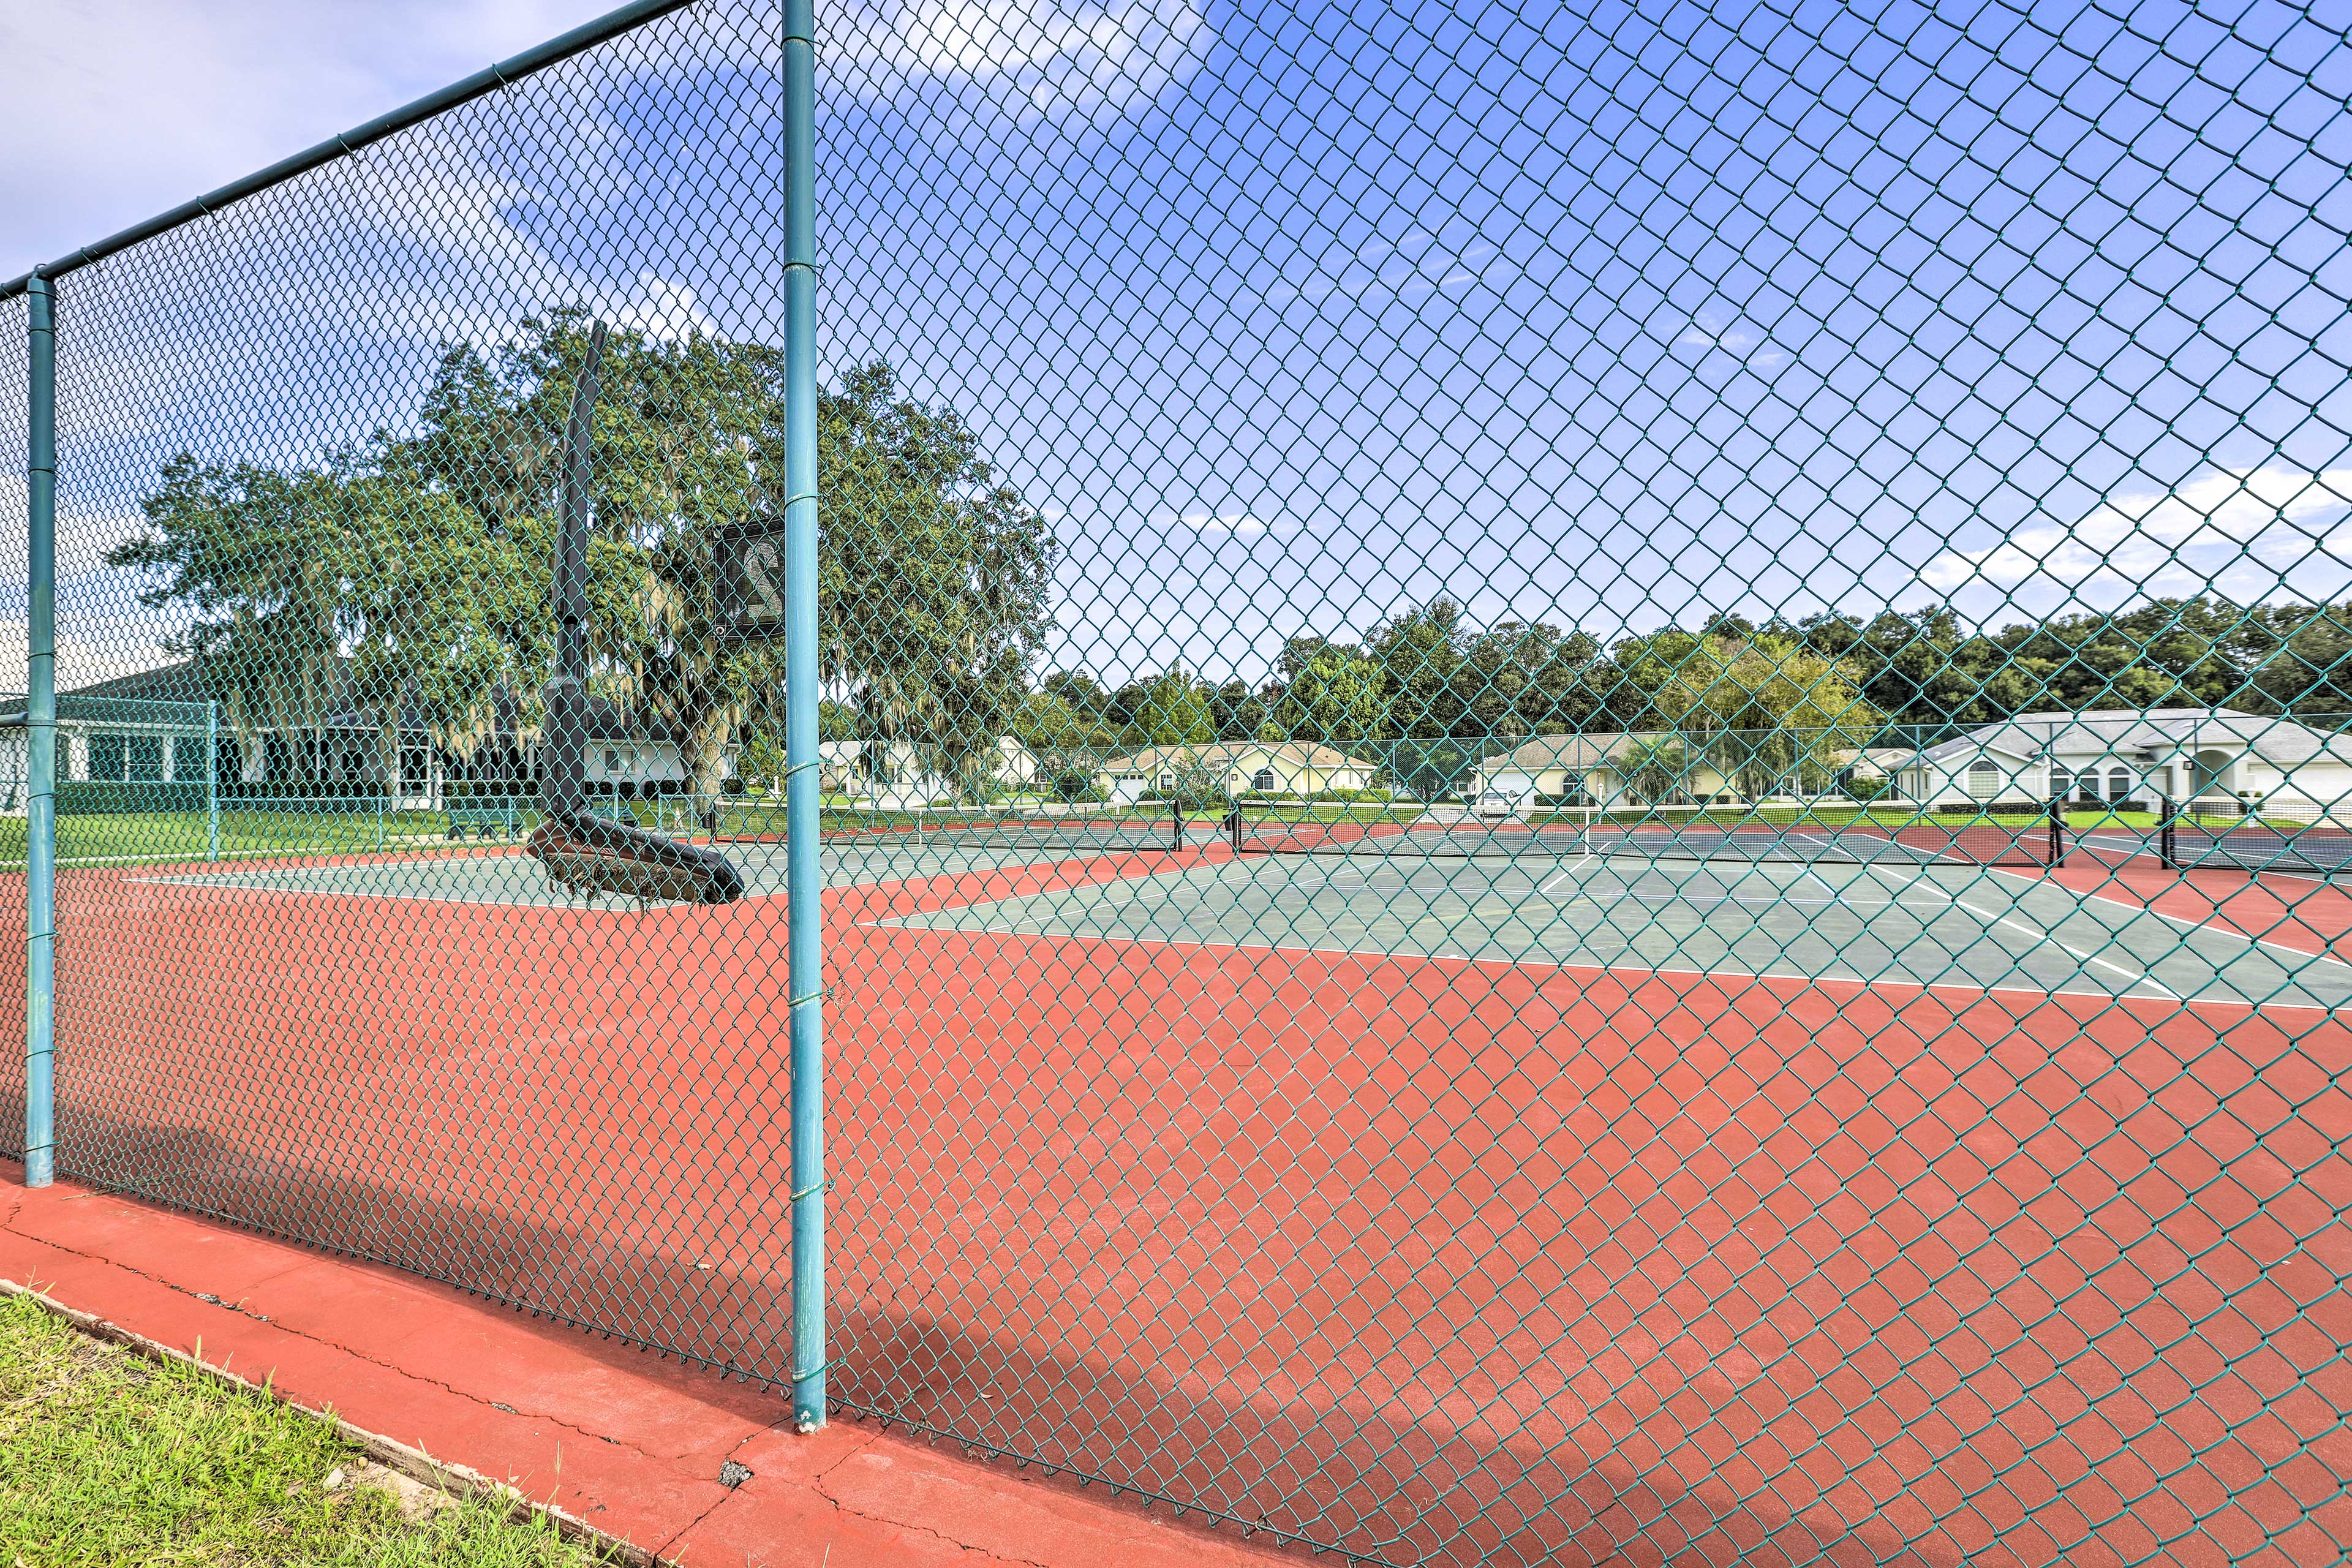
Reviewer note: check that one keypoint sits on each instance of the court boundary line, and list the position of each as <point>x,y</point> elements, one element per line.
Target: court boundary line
<point>1928,987</point>
<point>2145,908</point>
<point>2041,934</point>
<point>217,882</point>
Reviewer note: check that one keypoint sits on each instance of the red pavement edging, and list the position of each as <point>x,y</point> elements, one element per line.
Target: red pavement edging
<point>614,1443</point>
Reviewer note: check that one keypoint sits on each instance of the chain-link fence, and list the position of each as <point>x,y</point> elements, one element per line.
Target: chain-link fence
<point>1576,770</point>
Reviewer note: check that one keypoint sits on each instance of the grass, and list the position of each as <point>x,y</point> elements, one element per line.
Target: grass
<point>1330,811</point>
<point>109,1460</point>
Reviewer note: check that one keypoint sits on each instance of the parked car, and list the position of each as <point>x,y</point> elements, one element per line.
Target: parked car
<point>1499,803</point>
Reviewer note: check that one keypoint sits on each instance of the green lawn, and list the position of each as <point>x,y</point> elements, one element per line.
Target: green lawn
<point>1330,811</point>
<point>108,1460</point>
<point>122,837</point>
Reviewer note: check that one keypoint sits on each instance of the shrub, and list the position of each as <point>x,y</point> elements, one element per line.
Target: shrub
<point>1074,786</point>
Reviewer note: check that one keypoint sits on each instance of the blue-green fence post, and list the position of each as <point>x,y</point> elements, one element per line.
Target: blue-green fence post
<point>212,781</point>
<point>803,886</point>
<point>41,740</point>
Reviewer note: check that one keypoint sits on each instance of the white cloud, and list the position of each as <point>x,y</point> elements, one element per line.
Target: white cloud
<point>2239,530</point>
<point>1230,525</point>
<point>120,108</point>
<point>1744,345</point>
<point>1416,264</point>
<point>1046,61</point>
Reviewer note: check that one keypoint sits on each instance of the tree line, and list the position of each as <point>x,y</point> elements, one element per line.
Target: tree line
<point>1428,673</point>
<point>410,576</point>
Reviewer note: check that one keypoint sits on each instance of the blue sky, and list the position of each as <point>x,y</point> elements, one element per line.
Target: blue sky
<point>1296,316</point>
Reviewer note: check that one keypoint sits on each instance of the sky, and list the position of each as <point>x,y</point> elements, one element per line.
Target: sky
<point>122,109</point>
<point>1292,316</point>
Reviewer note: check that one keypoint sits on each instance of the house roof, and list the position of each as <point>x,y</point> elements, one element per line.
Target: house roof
<point>2100,733</point>
<point>186,682</point>
<point>1231,753</point>
<point>1544,751</point>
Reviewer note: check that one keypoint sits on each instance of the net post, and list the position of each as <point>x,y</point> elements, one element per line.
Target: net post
<point>41,736</point>
<point>2057,828</point>
<point>803,941</point>
<point>212,781</point>
<point>2167,834</point>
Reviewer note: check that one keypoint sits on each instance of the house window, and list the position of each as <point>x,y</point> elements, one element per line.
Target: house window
<point>107,755</point>
<point>2118,784</point>
<point>1572,790</point>
<point>612,762</point>
<point>1167,780</point>
<point>1984,779</point>
<point>1263,779</point>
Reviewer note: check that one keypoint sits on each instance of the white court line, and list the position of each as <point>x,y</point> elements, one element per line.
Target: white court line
<point>2184,921</point>
<point>2039,935</point>
<point>1131,889</point>
<point>900,922</point>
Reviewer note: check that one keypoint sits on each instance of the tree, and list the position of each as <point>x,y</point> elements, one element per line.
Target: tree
<point>1175,713</point>
<point>1654,770</point>
<point>933,574</point>
<point>1422,662</point>
<point>1238,712</point>
<point>1331,695</point>
<point>317,588</point>
<point>424,561</point>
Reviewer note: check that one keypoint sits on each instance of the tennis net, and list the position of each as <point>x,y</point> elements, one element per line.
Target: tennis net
<point>2298,838</point>
<point>1667,834</point>
<point>1149,827</point>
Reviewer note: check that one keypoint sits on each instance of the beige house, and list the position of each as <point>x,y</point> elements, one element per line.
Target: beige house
<point>1592,770</point>
<point>1243,767</point>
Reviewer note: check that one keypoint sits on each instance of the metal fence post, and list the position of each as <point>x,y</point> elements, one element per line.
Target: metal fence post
<point>803,885</point>
<point>41,739</point>
<point>212,781</point>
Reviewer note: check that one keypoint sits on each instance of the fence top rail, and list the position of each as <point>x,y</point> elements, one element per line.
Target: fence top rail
<point>490,79</point>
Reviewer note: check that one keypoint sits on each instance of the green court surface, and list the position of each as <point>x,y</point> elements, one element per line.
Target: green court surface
<point>1875,923</point>
<point>1872,924</point>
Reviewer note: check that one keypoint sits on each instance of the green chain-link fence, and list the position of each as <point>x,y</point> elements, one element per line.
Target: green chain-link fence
<point>1578,772</point>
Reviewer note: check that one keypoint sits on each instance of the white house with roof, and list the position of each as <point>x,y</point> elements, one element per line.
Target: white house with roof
<point>164,727</point>
<point>2128,755</point>
<point>1241,767</point>
<point>1613,769</point>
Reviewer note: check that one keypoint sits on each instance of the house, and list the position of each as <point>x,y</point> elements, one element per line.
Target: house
<point>2129,755</point>
<point>1240,767</point>
<point>1617,769</point>
<point>162,728</point>
<point>898,775</point>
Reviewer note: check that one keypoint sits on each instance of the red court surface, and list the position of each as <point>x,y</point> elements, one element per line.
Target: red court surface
<point>1435,1259</point>
<point>626,1443</point>
<point>2307,914</point>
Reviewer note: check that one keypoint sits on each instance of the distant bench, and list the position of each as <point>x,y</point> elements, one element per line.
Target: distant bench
<point>482,815</point>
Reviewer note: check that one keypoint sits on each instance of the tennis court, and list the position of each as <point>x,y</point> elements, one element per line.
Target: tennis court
<point>1497,784</point>
<point>1666,1163</point>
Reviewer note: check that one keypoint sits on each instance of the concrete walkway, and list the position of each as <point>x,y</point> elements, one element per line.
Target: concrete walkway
<point>625,1442</point>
